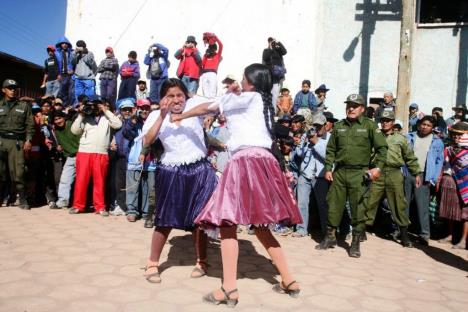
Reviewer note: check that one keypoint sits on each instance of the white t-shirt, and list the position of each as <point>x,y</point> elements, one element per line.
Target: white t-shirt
<point>245,120</point>
<point>421,148</point>
<point>183,144</point>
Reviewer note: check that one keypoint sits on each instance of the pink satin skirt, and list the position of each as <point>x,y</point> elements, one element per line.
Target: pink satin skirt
<point>251,190</point>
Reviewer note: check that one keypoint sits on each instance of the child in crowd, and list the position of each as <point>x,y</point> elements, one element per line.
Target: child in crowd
<point>284,104</point>
<point>129,73</point>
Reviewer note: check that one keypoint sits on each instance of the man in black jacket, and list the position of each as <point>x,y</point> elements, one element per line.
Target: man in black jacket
<point>273,57</point>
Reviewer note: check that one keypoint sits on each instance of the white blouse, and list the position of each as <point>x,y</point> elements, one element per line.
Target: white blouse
<point>245,120</point>
<point>184,143</point>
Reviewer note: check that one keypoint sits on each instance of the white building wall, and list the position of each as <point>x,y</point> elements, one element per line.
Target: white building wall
<point>318,35</point>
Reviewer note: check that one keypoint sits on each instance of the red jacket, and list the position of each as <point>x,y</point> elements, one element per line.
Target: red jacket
<point>210,64</point>
<point>190,62</point>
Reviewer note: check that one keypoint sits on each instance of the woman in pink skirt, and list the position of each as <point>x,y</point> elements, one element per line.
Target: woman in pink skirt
<point>252,188</point>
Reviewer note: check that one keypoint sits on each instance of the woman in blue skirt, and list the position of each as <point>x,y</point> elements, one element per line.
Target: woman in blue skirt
<point>185,179</point>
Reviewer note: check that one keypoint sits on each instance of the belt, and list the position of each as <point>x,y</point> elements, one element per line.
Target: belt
<point>351,167</point>
<point>12,136</point>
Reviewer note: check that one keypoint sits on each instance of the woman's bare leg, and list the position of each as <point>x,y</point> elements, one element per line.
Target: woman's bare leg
<point>157,244</point>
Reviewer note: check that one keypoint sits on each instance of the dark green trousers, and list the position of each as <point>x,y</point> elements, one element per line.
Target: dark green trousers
<point>12,155</point>
<point>347,184</point>
<point>389,185</point>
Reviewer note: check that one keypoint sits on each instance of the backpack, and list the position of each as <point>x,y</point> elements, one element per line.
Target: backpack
<point>155,68</point>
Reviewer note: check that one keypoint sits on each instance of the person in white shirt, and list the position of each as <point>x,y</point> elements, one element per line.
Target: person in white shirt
<point>185,179</point>
<point>93,124</point>
<point>252,189</point>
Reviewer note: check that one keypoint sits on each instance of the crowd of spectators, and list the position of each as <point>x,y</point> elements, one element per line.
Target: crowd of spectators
<point>80,137</point>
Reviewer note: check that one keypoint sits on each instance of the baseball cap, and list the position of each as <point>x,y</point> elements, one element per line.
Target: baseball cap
<point>319,119</point>
<point>414,105</point>
<point>109,49</point>
<point>127,102</point>
<point>355,98</point>
<point>229,79</point>
<point>9,83</point>
<point>143,102</point>
<point>50,48</point>
<point>285,118</point>
<point>388,115</point>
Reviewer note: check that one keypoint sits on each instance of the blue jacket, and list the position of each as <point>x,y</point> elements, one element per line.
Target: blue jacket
<point>311,101</point>
<point>311,158</point>
<point>164,63</point>
<point>123,143</point>
<point>435,158</point>
<point>58,54</point>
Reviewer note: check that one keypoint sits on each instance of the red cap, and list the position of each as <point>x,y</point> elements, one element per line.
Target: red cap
<point>109,49</point>
<point>51,47</point>
<point>143,102</point>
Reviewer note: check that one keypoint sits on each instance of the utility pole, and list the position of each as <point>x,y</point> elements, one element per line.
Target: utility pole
<point>404,64</point>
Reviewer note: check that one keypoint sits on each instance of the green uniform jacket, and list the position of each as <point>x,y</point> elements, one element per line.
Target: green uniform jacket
<point>399,154</point>
<point>354,143</point>
<point>16,117</point>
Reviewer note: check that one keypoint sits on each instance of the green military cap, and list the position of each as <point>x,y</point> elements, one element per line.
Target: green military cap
<point>9,83</point>
<point>355,98</point>
<point>388,114</point>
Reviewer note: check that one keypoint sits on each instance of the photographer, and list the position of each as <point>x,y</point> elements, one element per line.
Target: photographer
<point>158,64</point>
<point>94,123</point>
<point>273,58</point>
<point>85,70</point>
<point>190,63</point>
<point>310,155</point>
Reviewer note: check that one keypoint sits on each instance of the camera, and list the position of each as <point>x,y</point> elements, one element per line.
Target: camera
<point>311,132</point>
<point>89,108</point>
<point>368,176</point>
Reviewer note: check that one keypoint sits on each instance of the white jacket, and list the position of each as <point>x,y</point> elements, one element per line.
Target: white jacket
<point>95,133</point>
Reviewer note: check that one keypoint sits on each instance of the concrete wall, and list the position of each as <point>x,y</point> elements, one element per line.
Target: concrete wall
<point>335,42</point>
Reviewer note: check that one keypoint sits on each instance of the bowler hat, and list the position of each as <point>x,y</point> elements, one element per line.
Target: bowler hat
<point>191,39</point>
<point>330,117</point>
<point>322,87</point>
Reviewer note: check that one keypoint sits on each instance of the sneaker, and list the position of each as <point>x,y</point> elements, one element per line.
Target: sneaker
<point>62,204</point>
<point>251,231</point>
<point>103,213</point>
<point>149,223</point>
<point>53,205</point>
<point>131,218</point>
<point>298,234</point>
<point>74,211</point>
<point>117,211</point>
<point>239,229</point>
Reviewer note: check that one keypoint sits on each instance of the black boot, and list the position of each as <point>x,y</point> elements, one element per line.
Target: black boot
<point>329,241</point>
<point>23,202</point>
<point>363,237</point>
<point>354,250</point>
<point>405,241</point>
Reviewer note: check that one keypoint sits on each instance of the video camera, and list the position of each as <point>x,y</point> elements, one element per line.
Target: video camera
<point>90,105</point>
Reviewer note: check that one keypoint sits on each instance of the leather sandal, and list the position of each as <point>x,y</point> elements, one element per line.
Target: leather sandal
<point>231,303</point>
<point>281,288</point>
<point>201,271</point>
<point>155,277</point>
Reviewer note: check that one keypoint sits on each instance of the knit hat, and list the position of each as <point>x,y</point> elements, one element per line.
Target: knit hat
<point>50,48</point>
<point>109,49</point>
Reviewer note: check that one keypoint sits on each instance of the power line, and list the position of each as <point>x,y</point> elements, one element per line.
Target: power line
<point>130,23</point>
<point>18,34</point>
<point>25,28</point>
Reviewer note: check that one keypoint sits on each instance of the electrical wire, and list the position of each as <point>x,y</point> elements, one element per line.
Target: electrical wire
<point>23,27</point>
<point>130,23</point>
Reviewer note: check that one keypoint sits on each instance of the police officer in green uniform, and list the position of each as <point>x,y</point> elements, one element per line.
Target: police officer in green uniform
<point>355,152</point>
<point>16,131</point>
<point>391,182</point>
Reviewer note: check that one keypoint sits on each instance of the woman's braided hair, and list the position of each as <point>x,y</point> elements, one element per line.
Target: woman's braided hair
<point>260,77</point>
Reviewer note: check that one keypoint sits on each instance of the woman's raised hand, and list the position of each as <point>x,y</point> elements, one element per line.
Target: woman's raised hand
<point>164,106</point>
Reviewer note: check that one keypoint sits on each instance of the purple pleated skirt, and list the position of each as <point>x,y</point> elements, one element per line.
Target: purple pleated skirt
<point>251,190</point>
<point>181,192</point>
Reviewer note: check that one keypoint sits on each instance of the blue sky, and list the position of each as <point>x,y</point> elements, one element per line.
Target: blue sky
<point>27,27</point>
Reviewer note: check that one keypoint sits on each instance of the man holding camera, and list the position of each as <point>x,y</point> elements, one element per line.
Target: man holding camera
<point>391,182</point>
<point>190,64</point>
<point>16,132</point>
<point>350,154</point>
<point>85,70</point>
<point>158,64</point>
<point>273,57</point>
<point>311,156</point>
<point>94,124</point>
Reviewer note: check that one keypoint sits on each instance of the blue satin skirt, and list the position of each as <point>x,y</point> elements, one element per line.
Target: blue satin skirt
<point>181,193</point>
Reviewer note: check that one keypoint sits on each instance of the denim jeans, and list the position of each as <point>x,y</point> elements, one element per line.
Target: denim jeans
<point>108,88</point>
<point>422,197</point>
<point>53,87</point>
<point>191,84</point>
<point>155,88</point>
<point>67,90</point>
<point>66,181</point>
<point>127,88</point>
<point>85,86</point>
<point>304,187</point>
<point>137,185</point>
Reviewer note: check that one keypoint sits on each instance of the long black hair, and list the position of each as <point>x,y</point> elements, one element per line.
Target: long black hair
<point>171,83</point>
<point>259,76</point>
